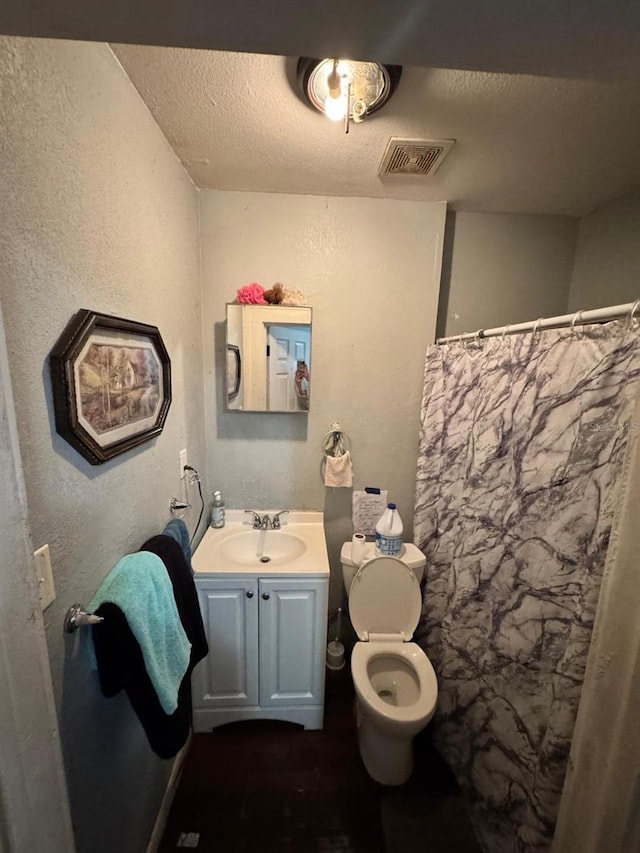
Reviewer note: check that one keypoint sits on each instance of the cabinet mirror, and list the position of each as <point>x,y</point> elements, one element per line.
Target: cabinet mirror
<point>268,358</point>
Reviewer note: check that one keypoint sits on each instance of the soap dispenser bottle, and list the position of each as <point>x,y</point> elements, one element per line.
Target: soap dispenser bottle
<point>217,510</point>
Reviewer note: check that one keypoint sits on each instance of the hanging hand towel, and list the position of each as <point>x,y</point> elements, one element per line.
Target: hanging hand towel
<point>177,529</point>
<point>121,665</point>
<point>140,587</point>
<point>338,471</point>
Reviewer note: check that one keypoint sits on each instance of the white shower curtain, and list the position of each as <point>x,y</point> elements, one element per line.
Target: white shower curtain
<point>522,443</point>
<point>600,805</point>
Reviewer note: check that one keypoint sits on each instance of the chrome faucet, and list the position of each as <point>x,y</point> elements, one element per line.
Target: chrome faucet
<point>275,522</point>
<point>258,523</point>
<point>266,523</point>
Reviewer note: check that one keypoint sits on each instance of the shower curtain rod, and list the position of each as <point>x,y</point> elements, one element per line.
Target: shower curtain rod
<point>578,318</point>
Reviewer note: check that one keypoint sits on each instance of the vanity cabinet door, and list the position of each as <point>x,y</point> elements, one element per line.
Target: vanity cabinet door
<point>292,641</point>
<point>228,676</point>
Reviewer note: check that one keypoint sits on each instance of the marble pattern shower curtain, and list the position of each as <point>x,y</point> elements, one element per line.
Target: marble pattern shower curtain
<point>522,442</point>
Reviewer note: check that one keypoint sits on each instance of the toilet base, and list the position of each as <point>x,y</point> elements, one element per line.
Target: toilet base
<point>388,760</point>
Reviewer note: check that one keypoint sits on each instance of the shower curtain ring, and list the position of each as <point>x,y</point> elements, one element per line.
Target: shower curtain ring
<point>628,326</point>
<point>505,330</point>
<point>577,316</point>
<point>536,326</point>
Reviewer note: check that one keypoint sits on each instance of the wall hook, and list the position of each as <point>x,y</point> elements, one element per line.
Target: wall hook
<point>176,505</point>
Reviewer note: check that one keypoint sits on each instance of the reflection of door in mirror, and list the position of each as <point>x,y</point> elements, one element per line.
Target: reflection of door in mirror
<point>288,368</point>
<point>255,382</point>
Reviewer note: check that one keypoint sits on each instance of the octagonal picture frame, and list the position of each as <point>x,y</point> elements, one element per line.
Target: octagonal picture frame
<point>111,383</point>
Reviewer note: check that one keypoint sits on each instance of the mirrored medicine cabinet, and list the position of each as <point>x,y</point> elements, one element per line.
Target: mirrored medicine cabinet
<point>268,355</point>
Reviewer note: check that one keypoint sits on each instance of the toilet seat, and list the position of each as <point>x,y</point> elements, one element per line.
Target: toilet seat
<point>395,683</point>
<point>384,606</point>
<point>385,601</point>
<point>411,654</point>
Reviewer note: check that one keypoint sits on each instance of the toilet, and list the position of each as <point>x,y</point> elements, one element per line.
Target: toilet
<point>395,684</point>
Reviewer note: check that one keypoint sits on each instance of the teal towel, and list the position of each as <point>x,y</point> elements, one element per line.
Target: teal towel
<point>140,586</point>
<point>177,529</point>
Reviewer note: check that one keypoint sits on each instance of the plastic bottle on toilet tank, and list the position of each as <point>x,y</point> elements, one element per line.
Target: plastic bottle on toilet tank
<point>389,533</point>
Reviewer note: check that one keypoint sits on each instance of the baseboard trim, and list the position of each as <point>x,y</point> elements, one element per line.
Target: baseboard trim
<point>167,799</point>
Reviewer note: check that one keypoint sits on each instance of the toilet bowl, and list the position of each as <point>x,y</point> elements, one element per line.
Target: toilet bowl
<point>395,684</point>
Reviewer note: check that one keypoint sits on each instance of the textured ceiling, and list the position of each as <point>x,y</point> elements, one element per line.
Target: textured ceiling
<point>523,144</point>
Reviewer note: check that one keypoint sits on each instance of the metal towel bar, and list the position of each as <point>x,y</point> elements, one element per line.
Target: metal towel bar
<point>77,617</point>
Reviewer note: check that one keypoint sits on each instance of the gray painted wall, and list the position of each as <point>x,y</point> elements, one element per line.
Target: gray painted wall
<point>370,269</point>
<point>97,213</point>
<point>504,268</point>
<point>607,263</point>
<point>34,807</point>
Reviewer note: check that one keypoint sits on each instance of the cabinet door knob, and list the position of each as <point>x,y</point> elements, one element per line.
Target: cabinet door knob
<point>249,594</point>
<point>265,595</point>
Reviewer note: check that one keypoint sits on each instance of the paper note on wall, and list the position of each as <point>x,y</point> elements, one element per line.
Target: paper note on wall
<point>367,507</point>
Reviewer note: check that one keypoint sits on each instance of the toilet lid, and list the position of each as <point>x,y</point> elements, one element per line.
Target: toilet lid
<point>385,599</point>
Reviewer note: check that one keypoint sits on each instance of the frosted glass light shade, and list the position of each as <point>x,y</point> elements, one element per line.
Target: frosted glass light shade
<point>371,83</point>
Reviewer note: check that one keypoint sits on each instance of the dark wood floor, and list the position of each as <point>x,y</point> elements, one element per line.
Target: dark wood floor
<point>266,787</point>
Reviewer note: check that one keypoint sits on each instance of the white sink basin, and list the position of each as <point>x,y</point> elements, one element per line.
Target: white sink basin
<point>299,547</point>
<point>262,547</point>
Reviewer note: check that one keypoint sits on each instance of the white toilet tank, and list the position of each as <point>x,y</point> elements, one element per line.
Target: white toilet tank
<point>411,555</point>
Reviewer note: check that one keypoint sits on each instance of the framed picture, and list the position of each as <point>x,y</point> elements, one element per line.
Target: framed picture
<point>111,384</point>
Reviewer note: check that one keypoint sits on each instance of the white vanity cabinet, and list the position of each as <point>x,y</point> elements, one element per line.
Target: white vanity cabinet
<point>267,638</point>
<point>228,676</point>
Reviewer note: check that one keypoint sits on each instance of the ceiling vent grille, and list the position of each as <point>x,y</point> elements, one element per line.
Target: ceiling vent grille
<point>414,156</point>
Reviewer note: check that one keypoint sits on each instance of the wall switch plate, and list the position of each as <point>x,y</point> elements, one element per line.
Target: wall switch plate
<point>45,577</point>
<point>183,461</point>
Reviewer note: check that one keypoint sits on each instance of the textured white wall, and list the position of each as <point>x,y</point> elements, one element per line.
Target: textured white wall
<point>34,807</point>
<point>607,263</point>
<point>370,269</point>
<point>96,213</point>
<point>504,268</point>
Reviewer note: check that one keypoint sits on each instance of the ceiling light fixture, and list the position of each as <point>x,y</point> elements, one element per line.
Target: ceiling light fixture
<point>346,90</point>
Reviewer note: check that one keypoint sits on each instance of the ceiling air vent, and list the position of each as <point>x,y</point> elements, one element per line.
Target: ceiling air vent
<point>414,156</point>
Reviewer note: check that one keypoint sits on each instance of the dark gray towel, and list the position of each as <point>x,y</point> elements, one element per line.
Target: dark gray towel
<point>121,665</point>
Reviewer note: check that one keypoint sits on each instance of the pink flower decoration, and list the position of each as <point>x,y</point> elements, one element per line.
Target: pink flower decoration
<point>251,294</point>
